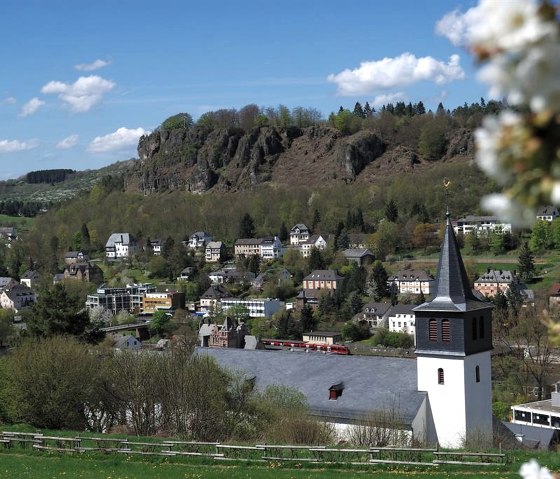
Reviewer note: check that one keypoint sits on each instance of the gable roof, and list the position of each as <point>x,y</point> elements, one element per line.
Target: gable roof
<point>548,211</point>
<point>216,291</point>
<point>214,245</point>
<point>357,252</point>
<point>452,289</point>
<point>122,238</point>
<point>323,275</point>
<point>411,275</point>
<point>376,308</point>
<point>496,276</point>
<point>365,380</point>
<point>301,227</point>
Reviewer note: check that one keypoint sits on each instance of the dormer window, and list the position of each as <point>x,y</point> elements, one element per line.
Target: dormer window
<point>335,391</point>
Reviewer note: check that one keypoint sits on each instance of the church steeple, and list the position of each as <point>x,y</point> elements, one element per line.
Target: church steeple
<point>452,289</point>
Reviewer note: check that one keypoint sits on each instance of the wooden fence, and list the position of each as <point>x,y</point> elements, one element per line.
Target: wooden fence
<point>259,452</point>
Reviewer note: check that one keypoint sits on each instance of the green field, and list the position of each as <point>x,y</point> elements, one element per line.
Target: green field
<point>55,465</point>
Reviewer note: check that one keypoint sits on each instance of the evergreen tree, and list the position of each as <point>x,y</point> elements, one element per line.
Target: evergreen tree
<point>394,294</point>
<point>420,109</point>
<point>497,243</point>
<point>391,211</point>
<point>440,109</point>
<point>167,248</point>
<point>339,229</point>
<point>283,233</point>
<point>421,297</point>
<point>378,281</point>
<point>359,220</point>
<point>307,318</point>
<point>358,110</point>
<point>316,260</point>
<point>86,240</point>
<point>368,112</point>
<point>247,227</point>
<point>316,219</point>
<point>526,263</point>
<point>57,313</point>
<point>343,241</point>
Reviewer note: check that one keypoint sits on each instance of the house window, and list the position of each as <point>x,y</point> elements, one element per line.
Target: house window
<point>474,330</point>
<point>481,327</point>
<point>477,374</point>
<point>440,376</point>
<point>432,330</point>
<point>445,330</point>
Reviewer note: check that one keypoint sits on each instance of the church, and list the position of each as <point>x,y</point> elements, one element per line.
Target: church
<point>444,396</point>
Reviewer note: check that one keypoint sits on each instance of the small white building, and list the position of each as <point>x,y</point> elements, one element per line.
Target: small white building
<point>299,234</point>
<point>402,319</point>
<point>315,241</point>
<point>548,213</point>
<point>214,252</point>
<point>199,239</point>
<point>257,307</point>
<point>120,245</point>
<point>271,248</point>
<point>483,225</point>
<point>412,281</point>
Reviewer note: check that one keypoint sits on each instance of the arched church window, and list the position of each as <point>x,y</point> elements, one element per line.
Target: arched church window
<point>432,330</point>
<point>477,373</point>
<point>440,376</point>
<point>474,330</point>
<point>481,327</point>
<point>445,330</point>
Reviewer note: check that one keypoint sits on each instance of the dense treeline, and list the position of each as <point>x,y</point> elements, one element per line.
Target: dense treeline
<point>48,176</point>
<point>21,208</point>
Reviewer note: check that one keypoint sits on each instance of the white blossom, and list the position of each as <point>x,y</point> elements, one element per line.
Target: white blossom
<point>508,210</point>
<point>488,140</point>
<point>511,25</point>
<point>532,470</point>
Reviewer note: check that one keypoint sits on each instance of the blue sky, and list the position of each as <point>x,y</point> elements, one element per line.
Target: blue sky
<point>83,80</point>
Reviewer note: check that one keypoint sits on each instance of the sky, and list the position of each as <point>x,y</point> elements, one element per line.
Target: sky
<point>83,80</point>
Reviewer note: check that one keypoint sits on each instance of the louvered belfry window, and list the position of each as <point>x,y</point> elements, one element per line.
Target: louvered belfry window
<point>481,327</point>
<point>445,331</point>
<point>432,330</point>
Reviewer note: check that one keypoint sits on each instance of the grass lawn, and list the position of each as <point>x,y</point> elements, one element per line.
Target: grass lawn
<point>51,466</point>
<point>20,222</point>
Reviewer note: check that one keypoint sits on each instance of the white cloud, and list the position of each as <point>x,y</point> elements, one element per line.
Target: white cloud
<point>9,100</point>
<point>122,139</point>
<point>31,107</point>
<point>403,70</point>
<point>68,142</point>
<point>455,26</point>
<point>83,94</point>
<point>381,100</point>
<point>9,146</point>
<point>95,65</point>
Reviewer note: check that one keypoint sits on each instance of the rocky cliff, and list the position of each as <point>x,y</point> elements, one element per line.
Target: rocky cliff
<point>198,159</point>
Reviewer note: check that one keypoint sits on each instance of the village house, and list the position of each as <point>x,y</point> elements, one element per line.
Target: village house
<point>30,278</point>
<point>163,301</point>
<point>482,225</point>
<point>322,337</point>
<point>214,252</point>
<point>299,234</point>
<point>186,273</point>
<point>401,319</point>
<point>84,272</point>
<point>231,274</point>
<point>155,245</point>
<point>315,284</point>
<point>6,282</point>
<point>120,245</point>
<point>210,299</point>
<point>495,280</point>
<point>360,256</point>
<point>199,239</point>
<point>375,314</point>
<point>315,241</point>
<point>256,307</point>
<point>7,233</point>
<point>73,257</point>
<point>554,295</point>
<point>548,213</point>
<point>277,274</point>
<point>17,297</point>
<point>412,281</point>
<point>230,334</point>
<point>127,343</point>
<point>267,248</point>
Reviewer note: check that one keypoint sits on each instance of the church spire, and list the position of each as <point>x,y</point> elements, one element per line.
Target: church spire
<point>452,289</point>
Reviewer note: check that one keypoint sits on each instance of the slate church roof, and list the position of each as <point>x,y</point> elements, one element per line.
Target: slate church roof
<point>366,380</point>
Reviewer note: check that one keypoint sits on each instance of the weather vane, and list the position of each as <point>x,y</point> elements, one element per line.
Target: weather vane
<point>446,186</point>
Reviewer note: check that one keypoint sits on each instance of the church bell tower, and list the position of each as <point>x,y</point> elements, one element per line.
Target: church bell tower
<point>453,346</point>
